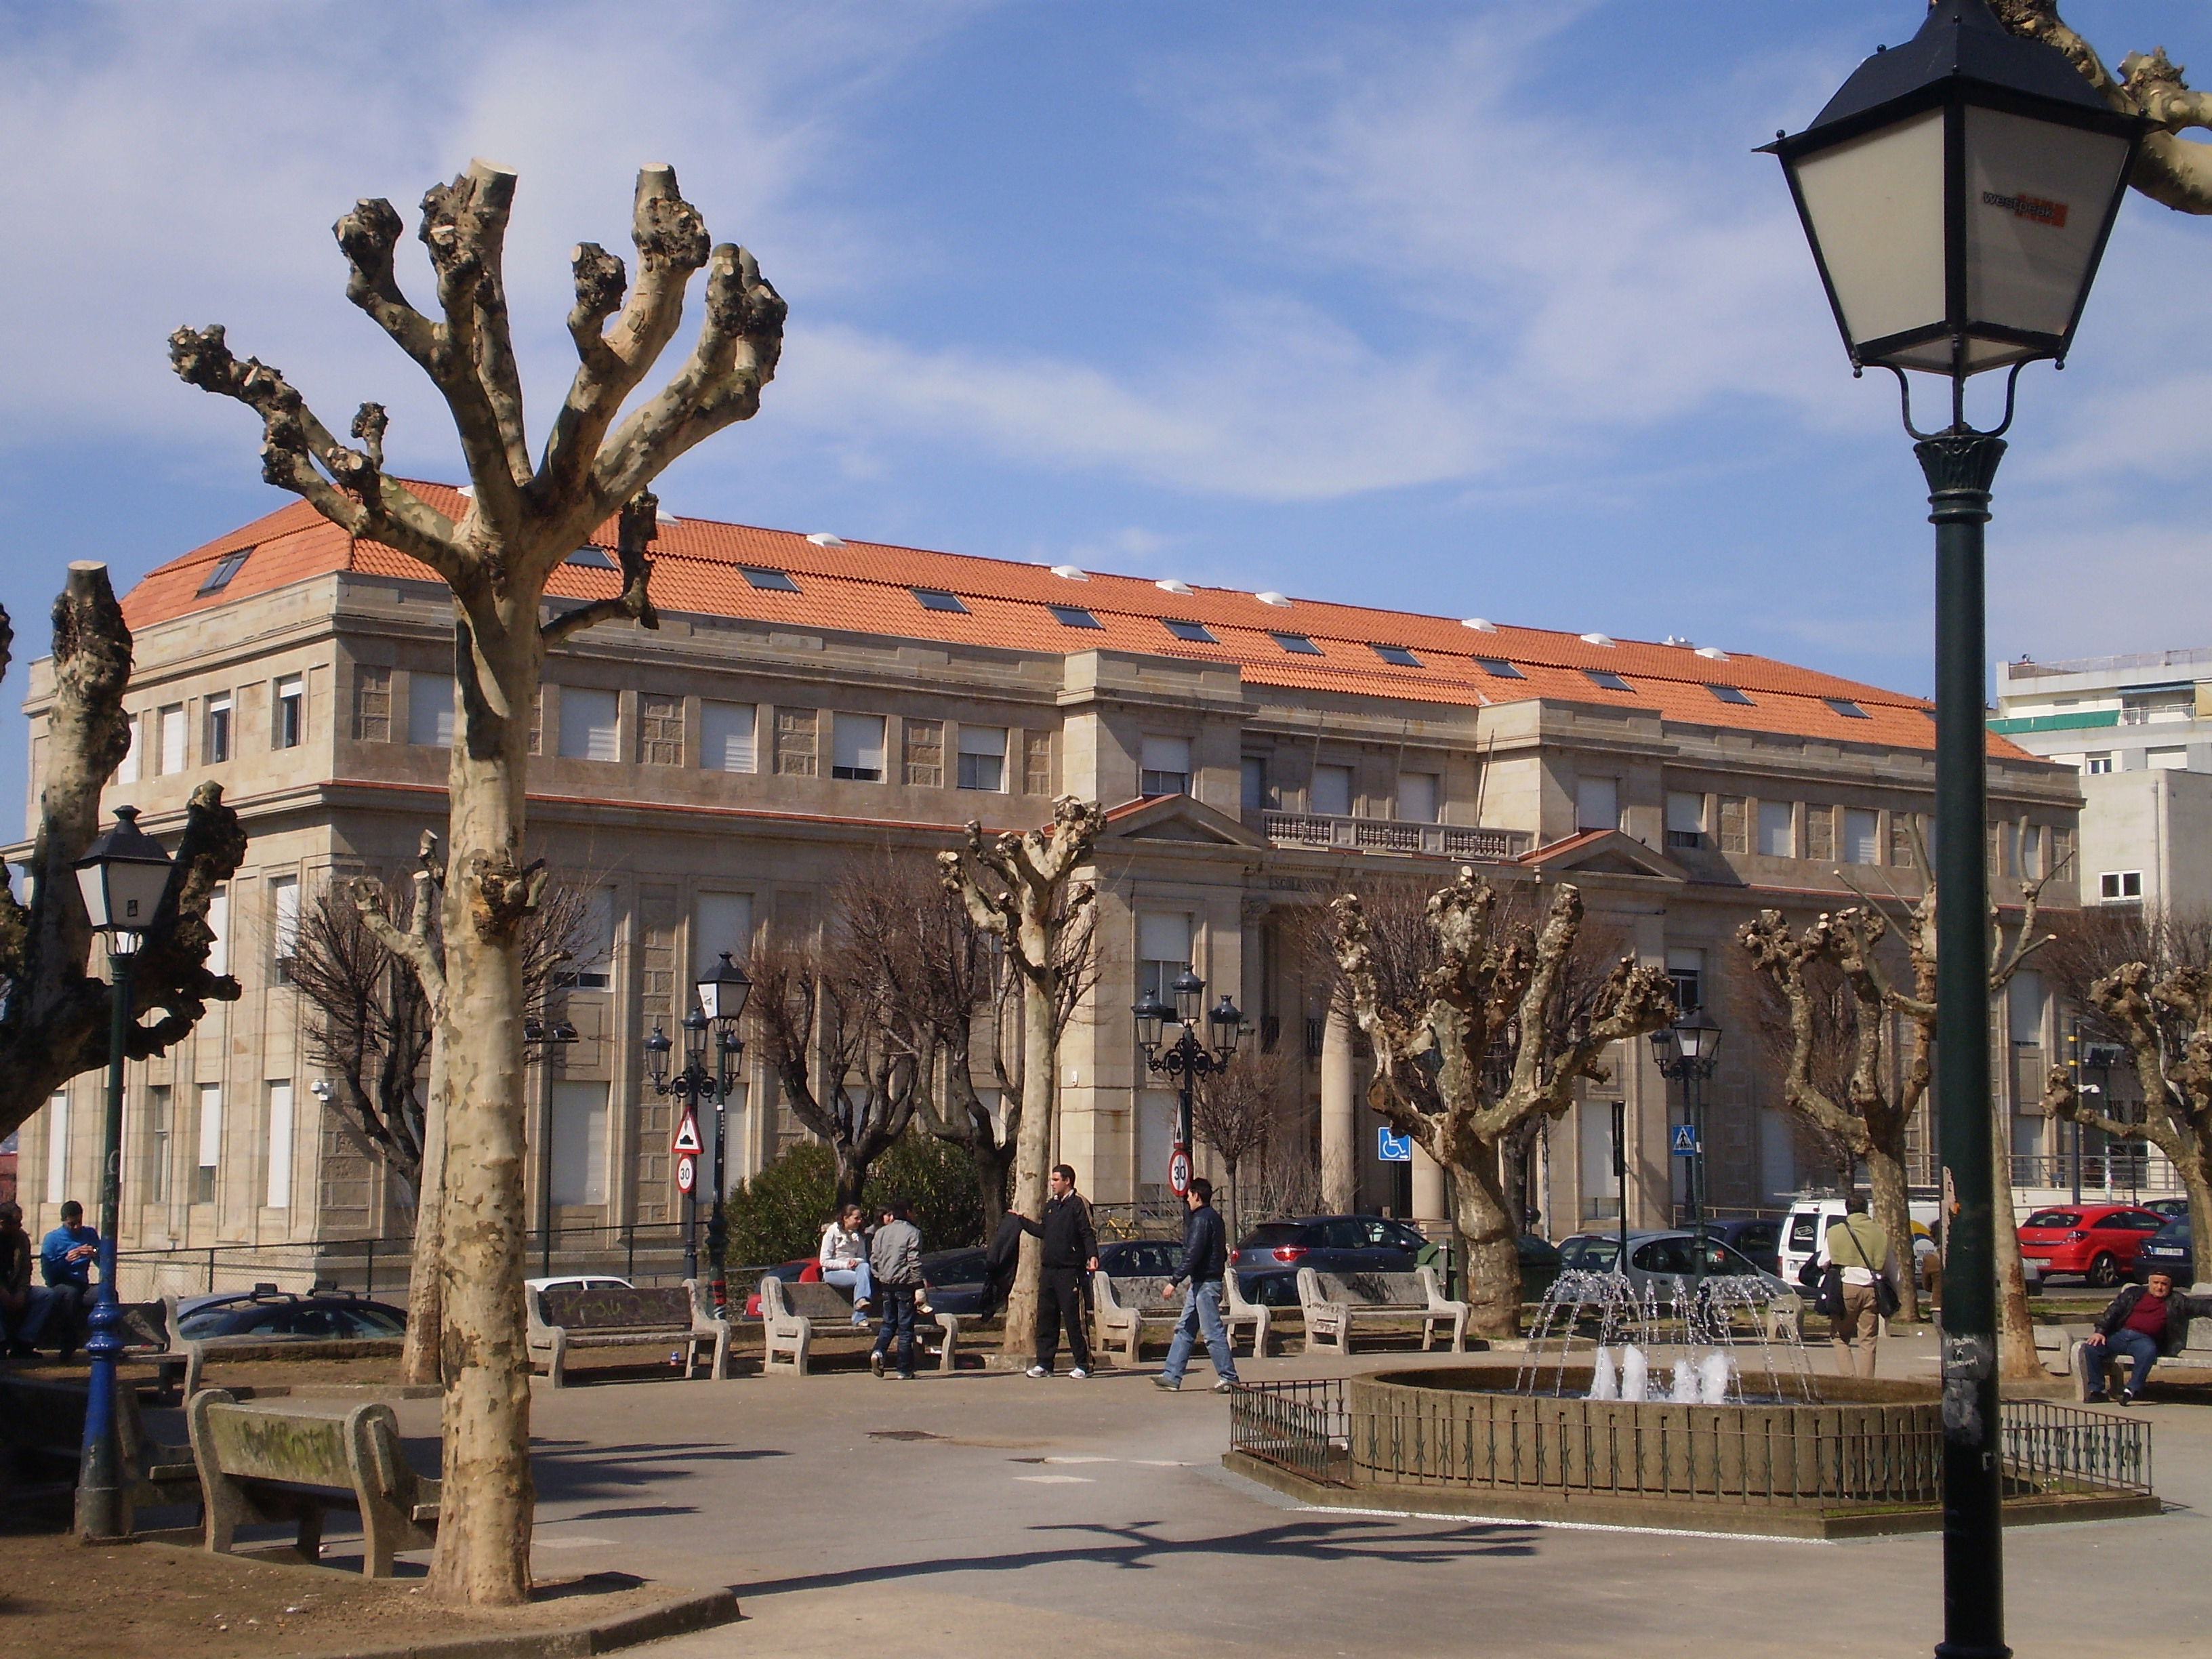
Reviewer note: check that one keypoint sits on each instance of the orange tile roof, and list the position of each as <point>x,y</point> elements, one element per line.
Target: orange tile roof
<point>865,587</point>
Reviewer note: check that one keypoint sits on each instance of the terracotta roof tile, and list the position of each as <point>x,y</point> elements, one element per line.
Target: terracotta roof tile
<point>866,587</point>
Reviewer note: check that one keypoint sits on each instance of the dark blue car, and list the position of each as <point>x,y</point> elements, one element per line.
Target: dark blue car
<point>2167,1248</point>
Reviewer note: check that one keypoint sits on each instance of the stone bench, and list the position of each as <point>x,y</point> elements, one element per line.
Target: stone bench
<point>1237,1312</point>
<point>564,1318</point>
<point>1333,1303</point>
<point>149,1336</point>
<point>794,1310</point>
<point>1121,1308</point>
<point>42,1427</point>
<point>294,1461</point>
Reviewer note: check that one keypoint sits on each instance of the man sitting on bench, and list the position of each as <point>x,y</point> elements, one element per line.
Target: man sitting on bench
<point>2144,1322</point>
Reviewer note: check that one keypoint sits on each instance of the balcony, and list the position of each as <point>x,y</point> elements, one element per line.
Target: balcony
<point>1443,840</point>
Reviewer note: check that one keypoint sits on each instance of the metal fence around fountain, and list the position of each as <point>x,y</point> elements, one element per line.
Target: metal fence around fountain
<point>1311,1429</point>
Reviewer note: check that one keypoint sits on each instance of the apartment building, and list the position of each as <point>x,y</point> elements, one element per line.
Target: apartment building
<point>806,698</point>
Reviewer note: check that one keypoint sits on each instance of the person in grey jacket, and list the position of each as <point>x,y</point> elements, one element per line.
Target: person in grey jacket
<point>1204,1269</point>
<point>895,1263</point>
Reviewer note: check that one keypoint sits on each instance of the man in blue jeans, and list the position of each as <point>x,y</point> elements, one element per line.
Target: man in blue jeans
<point>1205,1266</point>
<point>895,1254</point>
<point>2144,1322</point>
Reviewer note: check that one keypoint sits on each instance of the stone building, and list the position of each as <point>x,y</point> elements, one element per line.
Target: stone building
<point>806,697</point>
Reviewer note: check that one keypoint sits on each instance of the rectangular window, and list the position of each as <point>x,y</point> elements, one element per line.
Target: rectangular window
<point>1606,679</point>
<point>1297,644</point>
<point>579,1111</point>
<point>798,739</point>
<point>288,724</point>
<point>922,753</point>
<point>660,728</point>
<point>725,737</point>
<point>278,1195</point>
<point>218,918</point>
<point>936,599</point>
<point>284,926</point>
<point>592,968</point>
<point>2120,884</point>
<point>1735,835</point>
<point>2173,759</point>
<point>1862,837</point>
<point>215,745</point>
<point>719,922</point>
<point>589,728</point>
<point>1073,616</point>
<point>126,770</point>
<point>2098,764</point>
<point>2062,848</point>
<point>219,575</point>
<point>1037,763</point>
<point>1498,669</point>
<point>1166,767</point>
<point>1255,783</point>
<point>1163,952</point>
<point>591,557</point>
<point>1597,803</point>
<point>1196,633</point>
<point>1686,968</point>
<point>1728,694</point>
<point>172,756</point>
<point>210,1143</point>
<point>983,757</point>
<point>430,710</point>
<point>372,703</point>
<point>2031,850</point>
<point>767,581</point>
<point>161,1106</point>
<point>1820,834</point>
<point>1777,829</point>
<point>1397,654</point>
<point>1332,791</point>
<point>858,748</point>
<point>1417,797</point>
<point>58,1148</point>
<point>1686,819</point>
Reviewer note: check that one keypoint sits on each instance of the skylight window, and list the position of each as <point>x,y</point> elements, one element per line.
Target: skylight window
<point>1728,694</point>
<point>594,558</point>
<point>1397,653</point>
<point>767,580</point>
<point>1847,709</point>
<point>225,568</point>
<point>1297,644</point>
<point>936,599</point>
<point>1073,616</point>
<point>1197,633</point>
<point>1498,669</point>
<point>1607,678</point>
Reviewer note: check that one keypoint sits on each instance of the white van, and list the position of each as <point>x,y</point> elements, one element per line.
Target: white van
<point>1808,1218</point>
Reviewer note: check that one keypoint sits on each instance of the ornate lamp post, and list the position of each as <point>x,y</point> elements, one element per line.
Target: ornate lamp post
<point>548,1041</point>
<point>1184,1056</point>
<point>722,996</point>
<point>1686,1052</point>
<point>1958,192</point>
<point>123,876</point>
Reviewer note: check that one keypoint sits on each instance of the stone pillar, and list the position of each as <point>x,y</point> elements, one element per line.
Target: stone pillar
<point>1340,1139</point>
<point>1429,1213</point>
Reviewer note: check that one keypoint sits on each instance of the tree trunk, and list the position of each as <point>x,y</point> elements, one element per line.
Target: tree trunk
<point>1033,1146</point>
<point>852,1177</point>
<point>2196,1181</point>
<point>1493,1263</point>
<point>482,1554</point>
<point>1885,1177</point>
<point>2017,1360</point>
<point>420,1357</point>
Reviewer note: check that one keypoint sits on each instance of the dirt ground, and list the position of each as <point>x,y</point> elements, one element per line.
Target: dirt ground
<point>149,1601</point>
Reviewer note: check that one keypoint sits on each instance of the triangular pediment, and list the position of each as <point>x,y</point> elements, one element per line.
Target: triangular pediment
<point>1604,853</point>
<point>1177,818</point>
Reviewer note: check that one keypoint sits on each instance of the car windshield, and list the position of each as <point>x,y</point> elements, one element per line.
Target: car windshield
<point>966,1268</point>
<point>2054,1218</point>
<point>1597,1255</point>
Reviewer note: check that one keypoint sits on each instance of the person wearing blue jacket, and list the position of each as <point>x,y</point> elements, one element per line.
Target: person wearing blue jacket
<point>1205,1270</point>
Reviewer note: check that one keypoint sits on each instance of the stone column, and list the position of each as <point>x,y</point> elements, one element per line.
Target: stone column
<point>1429,1213</point>
<point>1339,1141</point>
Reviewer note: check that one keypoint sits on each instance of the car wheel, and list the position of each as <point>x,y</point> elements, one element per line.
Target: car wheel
<point>2104,1270</point>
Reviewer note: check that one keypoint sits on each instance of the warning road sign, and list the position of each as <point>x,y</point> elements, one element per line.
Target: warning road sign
<point>1682,1141</point>
<point>687,1135</point>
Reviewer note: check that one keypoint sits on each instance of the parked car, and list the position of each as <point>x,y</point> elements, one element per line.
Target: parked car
<point>288,1316</point>
<point>1761,1241</point>
<point>1657,1258</point>
<point>957,1281</point>
<point>1141,1258</point>
<point>2100,1242</point>
<point>2168,1208</point>
<point>577,1282</point>
<point>805,1266</point>
<point>1267,1263</point>
<point>2168,1247</point>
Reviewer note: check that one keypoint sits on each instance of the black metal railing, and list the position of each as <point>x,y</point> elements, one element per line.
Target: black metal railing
<point>1301,1426</point>
<point>2066,1450</point>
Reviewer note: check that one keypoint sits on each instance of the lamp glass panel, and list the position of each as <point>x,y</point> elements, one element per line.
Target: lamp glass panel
<point>2037,194</point>
<point>1875,206</point>
<point>1692,1039</point>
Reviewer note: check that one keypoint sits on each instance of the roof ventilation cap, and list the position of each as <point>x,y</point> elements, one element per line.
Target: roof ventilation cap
<point>468,492</point>
<point>1597,638</point>
<point>1678,639</point>
<point>823,538</point>
<point>1714,651</point>
<point>1479,624</point>
<point>1274,599</point>
<point>1171,585</point>
<point>1074,572</point>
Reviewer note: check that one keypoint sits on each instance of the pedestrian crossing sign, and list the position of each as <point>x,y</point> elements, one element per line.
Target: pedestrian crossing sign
<point>1683,1141</point>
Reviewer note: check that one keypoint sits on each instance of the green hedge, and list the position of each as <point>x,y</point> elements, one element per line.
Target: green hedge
<point>779,1213</point>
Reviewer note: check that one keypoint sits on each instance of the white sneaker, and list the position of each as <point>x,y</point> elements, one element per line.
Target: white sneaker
<point>1225,1385</point>
<point>1079,1374</point>
<point>1039,1370</point>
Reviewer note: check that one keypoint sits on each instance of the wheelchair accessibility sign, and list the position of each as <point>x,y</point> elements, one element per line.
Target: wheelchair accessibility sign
<point>1393,1149</point>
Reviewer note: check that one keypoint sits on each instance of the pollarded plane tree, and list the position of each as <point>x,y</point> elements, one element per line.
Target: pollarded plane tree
<point>54,1014</point>
<point>1474,1045</point>
<point>524,517</point>
<point>1023,890</point>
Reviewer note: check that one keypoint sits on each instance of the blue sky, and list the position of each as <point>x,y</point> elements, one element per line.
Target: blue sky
<point>1483,308</point>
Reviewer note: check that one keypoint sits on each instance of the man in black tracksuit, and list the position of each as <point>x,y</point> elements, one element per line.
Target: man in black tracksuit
<point>1071,1251</point>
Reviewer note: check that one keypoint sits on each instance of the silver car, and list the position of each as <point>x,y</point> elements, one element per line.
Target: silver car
<point>1656,1258</point>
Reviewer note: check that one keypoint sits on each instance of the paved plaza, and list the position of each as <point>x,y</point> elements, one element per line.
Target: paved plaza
<point>989,1514</point>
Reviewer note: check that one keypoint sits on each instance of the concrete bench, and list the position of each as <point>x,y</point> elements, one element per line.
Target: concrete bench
<point>1121,1308</point>
<point>792,1310</point>
<point>42,1427</point>
<point>294,1461</point>
<point>149,1336</point>
<point>1333,1304</point>
<point>1237,1313</point>
<point>564,1318</point>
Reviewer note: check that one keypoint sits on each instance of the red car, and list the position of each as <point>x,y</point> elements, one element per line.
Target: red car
<point>2098,1240</point>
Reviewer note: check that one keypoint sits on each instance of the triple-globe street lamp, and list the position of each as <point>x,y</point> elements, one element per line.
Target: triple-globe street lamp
<point>1185,1057</point>
<point>123,876</point>
<point>721,1003</point>
<point>549,1039</point>
<point>1958,192</point>
<point>1686,1052</point>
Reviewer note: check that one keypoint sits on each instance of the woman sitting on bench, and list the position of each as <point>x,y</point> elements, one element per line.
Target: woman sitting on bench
<point>844,1259</point>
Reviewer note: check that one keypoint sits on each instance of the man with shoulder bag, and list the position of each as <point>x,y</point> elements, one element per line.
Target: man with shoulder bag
<point>1859,1287</point>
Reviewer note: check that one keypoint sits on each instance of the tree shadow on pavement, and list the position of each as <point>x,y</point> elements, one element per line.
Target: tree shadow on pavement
<point>577,1470</point>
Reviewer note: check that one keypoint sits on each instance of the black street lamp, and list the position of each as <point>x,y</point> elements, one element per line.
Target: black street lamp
<point>1958,192</point>
<point>123,876</point>
<point>1686,1052</point>
<point>548,1041</point>
<point>721,1004</point>
<point>1184,1056</point>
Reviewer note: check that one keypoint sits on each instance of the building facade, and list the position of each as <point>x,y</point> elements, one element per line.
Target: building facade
<point>805,699</point>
